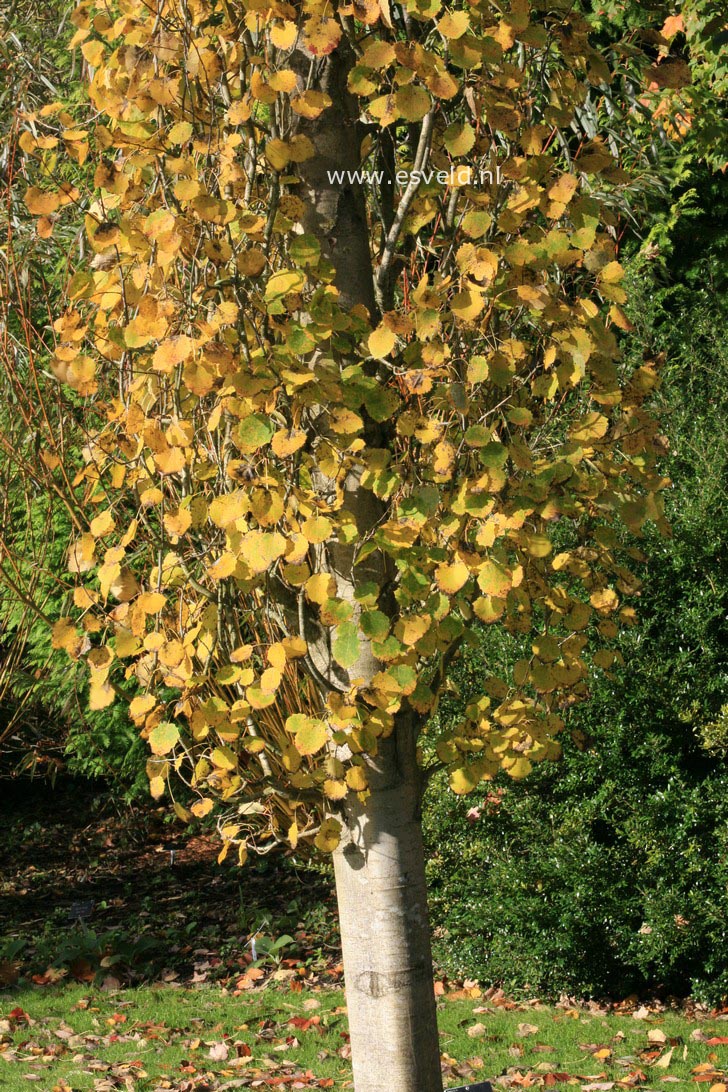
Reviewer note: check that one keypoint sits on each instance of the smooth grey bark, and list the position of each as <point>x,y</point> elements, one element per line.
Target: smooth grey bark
<point>385,931</point>
<point>379,865</point>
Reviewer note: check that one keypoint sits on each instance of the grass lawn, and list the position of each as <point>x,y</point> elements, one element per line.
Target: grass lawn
<point>73,1037</point>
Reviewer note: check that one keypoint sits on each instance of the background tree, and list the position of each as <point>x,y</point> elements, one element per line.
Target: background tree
<point>330,421</point>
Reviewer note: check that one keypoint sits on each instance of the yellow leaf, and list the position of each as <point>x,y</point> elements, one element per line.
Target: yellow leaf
<point>172,352</point>
<point>277,153</point>
<point>93,53</point>
<point>284,80</point>
<point>488,609</point>
<point>604,600</point>
<point>317,529</point>
<point>310,104</point>
<point>467,305</point>
<point>143,329</point>
<point>517,766</point>
<point>163,738</point>
<point>156,787</point>
<point>102,524</point>
<point>170,462</point>
<point>224,758</point>
<point>124,586</point>
<point>201,808</point>
<point>329,835</point>
<point>261,549</point>
<point>39,203</point>
<point>464,780</point>
<point>378,54</point>
<point>453,24</point>
<point>459,138</point>
<point>283,35</point>
<point>283,283</point>
<point>538,545</point>
<point>593,426</point>
<point>563,189</point>
<point>381,342</point>
<point>451,578</point>
<point>611,273</point>
<point>186,189</point>
<point>141,705</point>
<point>84,598</point>
<point>411,629</point>
<point>270,680</point>
<point>180,133</point>
<point>356,778</point>
<point>320,587</point>
<point>311,736</point>
<point>224,566</point>
<point>493,579</point>
<point>65,636</point>
<point>335,789</point>
<point>101,693</point>
<point>287,441</point>
<point>178,522</point>
<point>229,507</point>
<point>239,112</point>
<point>151,602</point>
<point>321,34</point>
<point>444,458</point>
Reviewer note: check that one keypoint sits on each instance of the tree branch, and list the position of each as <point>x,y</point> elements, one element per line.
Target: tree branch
<point>382,286</point>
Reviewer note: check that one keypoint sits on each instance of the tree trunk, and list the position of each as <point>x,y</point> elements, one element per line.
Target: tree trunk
<point>385,931</point>
<point>379,865</point>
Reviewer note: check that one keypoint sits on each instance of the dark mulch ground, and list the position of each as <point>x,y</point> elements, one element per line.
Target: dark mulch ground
<point>91,888</point>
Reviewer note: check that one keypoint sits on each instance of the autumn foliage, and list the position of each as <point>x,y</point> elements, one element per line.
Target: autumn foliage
<point>239,402</point>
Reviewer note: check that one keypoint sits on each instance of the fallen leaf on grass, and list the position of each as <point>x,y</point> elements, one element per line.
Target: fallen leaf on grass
<point>664,1060</point>
<point>524,1030</point>
<point>219,1052</point>
<point>304,1024</point>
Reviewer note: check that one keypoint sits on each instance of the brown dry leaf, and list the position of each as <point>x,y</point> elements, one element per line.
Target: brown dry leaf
<point>524,1030</point>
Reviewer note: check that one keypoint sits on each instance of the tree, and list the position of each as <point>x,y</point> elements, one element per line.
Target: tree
<point>335,420</point>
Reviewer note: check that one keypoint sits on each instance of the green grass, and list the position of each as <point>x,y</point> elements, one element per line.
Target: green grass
<point>161,1037</point>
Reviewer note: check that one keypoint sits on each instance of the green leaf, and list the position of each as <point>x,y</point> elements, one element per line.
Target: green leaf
<point>346,644</point>
<point>305,250</point>
<point>253,433</point>
<point>374,624</point>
